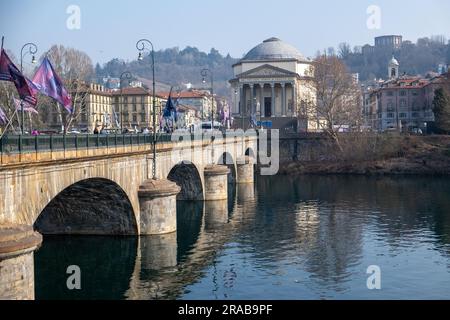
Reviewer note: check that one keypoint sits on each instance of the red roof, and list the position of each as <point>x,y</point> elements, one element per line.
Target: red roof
<point>185,94</point>
<point>406,83</point>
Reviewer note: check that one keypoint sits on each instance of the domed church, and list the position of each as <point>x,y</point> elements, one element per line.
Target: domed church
<point>272,86</point>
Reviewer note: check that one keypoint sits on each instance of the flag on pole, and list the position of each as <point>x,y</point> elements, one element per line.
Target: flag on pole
<point>26,106</point>
<point>49,83</point>
<point>3,117</point>
<point>9,72</point>
<point>170,110</point>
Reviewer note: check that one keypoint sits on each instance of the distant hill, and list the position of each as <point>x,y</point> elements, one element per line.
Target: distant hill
<point>414,58</point>
<point>176,67</point>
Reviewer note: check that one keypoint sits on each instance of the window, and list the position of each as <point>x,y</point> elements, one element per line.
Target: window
<point>134,108</point>
<point>403,93</point>
<point>390,106</point>
<point>134,99</point>
<point>134,118</point>
<point>402,103</point>
<point>415,114</point>
<point>415,93</point>
<point>390,115</point>
<point>143,107</point>
<point>393,73</point>
<point>402,115</point>
<point>390,93</point>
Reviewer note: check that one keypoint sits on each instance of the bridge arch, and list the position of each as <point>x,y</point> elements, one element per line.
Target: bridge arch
<point>250,153</point>
<point>94,206</point>
<point>227,159</point>
<point>186,175</point>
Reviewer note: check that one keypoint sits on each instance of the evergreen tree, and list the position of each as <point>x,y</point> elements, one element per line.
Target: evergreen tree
<point>441,108</point>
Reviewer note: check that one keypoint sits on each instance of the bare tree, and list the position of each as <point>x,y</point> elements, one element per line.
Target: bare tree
<point>75,68</point>
<point>344,50</point>
<point>337,106</point>
<point>7,93</point>
<point>7,90</point>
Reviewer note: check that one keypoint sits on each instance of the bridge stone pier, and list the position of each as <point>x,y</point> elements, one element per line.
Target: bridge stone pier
<point>17,244</point>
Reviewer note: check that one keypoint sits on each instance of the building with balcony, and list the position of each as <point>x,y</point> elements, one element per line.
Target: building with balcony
<point>400,103</point>
<point>133,108</point>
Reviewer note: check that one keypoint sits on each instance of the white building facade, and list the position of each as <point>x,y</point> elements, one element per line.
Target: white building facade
<point>273,86</point>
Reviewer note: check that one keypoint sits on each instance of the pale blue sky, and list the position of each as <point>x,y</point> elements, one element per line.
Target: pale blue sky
<point>111,28</point>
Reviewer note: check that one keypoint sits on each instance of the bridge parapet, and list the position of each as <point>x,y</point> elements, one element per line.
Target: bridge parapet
<point>16,150</point>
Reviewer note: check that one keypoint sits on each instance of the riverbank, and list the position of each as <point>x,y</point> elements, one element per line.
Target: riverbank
<point>414,155</point>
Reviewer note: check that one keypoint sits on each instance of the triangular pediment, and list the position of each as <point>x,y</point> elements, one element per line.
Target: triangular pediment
<point>267,70</point>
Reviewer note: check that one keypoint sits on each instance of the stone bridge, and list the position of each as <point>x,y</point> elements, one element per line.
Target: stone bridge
<point>96,190</point>
<point>107,189</point>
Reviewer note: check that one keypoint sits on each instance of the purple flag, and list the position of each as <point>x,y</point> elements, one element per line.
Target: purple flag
<point>9,72</point>
<point>3,118</point>
<point>49,83</point>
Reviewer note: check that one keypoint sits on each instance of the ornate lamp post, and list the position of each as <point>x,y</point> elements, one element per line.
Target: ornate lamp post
<point>208,73</point>
<point>142,45</point>
<point>32,49</point>
<point>157,198</point>
<point>125,75</point>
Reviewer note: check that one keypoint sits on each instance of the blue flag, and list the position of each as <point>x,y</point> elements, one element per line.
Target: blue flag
<point>170,111</point>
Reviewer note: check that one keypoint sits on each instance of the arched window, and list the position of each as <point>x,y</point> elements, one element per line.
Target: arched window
<point>393,72</point>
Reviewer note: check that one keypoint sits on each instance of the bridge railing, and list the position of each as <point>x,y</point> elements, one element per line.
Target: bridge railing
<point>13,144</point>
<point>24,144</point>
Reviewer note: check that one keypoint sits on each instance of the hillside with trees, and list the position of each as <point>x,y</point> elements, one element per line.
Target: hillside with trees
<point>415,58</point>
<point>174,67</point>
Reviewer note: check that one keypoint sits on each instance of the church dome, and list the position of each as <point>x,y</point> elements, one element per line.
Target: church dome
<point>274,49</point>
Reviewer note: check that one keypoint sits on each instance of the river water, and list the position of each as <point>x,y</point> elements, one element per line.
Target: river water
<point>307,237</point>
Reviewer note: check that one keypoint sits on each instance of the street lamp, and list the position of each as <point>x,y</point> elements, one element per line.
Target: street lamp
<point>208,73</point>
<point>142,45</point>
<point>32,49</point>
<point>127,75</point>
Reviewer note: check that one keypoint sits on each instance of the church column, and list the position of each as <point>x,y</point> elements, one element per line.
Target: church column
<point>273,99</point>
<point>252,99</point>
<point>294,99</point>
<point>283,99</point>
<point>294,104</point>
<point>261,100</point>
<point>241,100</point>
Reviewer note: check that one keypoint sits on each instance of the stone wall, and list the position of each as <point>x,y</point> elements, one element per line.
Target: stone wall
<point>17,277</point>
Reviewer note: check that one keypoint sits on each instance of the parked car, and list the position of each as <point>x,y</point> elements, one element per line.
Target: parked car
<point>206,126</point>
<point>417,131</point>
<point>47,132</point>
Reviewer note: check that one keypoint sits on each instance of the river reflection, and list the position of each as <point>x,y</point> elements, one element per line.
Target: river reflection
<point>305,237</point>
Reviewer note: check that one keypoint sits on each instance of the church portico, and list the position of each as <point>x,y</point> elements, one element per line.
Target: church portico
<point>267,99</point>
<point>268,83</point>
